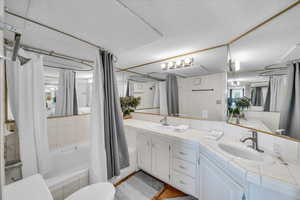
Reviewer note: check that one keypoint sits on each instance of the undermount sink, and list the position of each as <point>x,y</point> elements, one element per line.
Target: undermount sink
<point>169,127</point>
<point>241,152</point>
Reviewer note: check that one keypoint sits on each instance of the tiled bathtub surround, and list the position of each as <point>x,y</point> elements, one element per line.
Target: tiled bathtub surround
<point>11,148</point>
<point>66,131</point>
<point>62,132</point>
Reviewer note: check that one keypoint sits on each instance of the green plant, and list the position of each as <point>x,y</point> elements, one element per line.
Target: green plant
<point>240,105</point>
<point>243,103</point>
<point>129,104</point>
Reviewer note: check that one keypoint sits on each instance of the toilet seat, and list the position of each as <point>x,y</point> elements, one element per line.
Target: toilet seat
<point>99,191</point>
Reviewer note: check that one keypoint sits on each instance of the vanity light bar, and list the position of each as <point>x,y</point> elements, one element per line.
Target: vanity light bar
<point>187,62</point>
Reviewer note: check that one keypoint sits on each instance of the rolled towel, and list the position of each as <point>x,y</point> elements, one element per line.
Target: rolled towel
<point>181,128</point>
<point>214,135</point>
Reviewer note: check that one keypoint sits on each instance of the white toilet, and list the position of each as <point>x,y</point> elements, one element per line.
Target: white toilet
<point>99,191</point>
<point>23,189</point>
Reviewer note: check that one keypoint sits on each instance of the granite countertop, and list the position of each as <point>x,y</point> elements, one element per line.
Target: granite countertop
<point>273,175</point>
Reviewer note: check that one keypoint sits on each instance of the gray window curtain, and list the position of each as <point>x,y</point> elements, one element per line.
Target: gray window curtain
<point>172,95</point>
<point>66,97</point>
<point>129,88</point>
<point>256,96</point>
<point>268,99</point>
<point>115,142</point>
<point>290,111</point>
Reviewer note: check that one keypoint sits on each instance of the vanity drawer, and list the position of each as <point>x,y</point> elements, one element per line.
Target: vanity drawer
<point>184,183</point>
<point>185,153</point>
<point>184,167</point>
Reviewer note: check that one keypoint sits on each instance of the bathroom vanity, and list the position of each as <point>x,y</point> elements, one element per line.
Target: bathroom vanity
<point>212,169</point>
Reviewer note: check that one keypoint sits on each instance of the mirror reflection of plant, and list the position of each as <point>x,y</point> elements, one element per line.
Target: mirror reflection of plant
<point>243,103</point>
<point>237,105</point>
<point>129,104</point>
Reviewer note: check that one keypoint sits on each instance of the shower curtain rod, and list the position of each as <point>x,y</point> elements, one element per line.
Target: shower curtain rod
<point>55,54</point>
<point>270,67</point>
<point>58,31</point>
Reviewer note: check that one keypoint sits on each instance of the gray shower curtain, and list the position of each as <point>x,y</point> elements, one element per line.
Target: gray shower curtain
<point>115,142</point>
<point>66,97</point>
<point>172,95</point>
<point>268,99</point>
<point>290,112</point>
<point>256,96</point>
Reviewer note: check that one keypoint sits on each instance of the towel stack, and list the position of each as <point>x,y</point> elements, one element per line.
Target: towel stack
<point>214,135</point>
<point>181,128</point>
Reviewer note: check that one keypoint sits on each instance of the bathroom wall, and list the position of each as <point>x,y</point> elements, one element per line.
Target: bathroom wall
<point>146,91</point>
<point>203,104</point>
<point>289,150</point>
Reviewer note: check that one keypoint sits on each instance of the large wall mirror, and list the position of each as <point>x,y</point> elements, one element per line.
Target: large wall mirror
<point>263,79</point>
<point>61,77</point>
<point>188,86</point>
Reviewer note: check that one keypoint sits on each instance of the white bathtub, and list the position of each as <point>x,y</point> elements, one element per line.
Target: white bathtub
<point>68,163</point>
<point>72,162</point>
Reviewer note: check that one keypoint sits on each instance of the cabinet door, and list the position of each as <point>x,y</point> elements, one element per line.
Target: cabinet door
<point>216,185</point>
<point>144,152</point>
<point>161,159</point>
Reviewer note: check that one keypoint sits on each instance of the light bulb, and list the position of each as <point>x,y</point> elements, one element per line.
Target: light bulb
<point>187,61</point>
<point>178,63</point>
<point>170,65</point>
<point>164,66</point>
<point>237,65</point>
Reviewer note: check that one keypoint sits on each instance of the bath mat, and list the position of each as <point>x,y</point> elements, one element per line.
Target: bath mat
<point>140,186</point>
<point>182,198</point>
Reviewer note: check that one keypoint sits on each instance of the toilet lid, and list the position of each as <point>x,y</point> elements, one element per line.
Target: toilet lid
<point>99,191</point>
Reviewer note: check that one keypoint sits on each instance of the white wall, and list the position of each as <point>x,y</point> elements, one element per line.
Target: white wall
<point>144,91</point>
<point>203,104</point>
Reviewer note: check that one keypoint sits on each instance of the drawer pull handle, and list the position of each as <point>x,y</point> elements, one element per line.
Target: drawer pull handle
<point>182,167</point>
<point>182,182</point>
<point>182,153</point>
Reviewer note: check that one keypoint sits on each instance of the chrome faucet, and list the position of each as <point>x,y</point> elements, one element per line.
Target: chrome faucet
<point>254,140</point>
<point>164,121</point>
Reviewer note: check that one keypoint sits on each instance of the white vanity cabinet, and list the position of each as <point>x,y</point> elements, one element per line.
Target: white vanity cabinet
<point>215,184</point>
<point>154,156</point>
<point>161,159</point>
<point>189,163</point>
<point>169,161</point>
<point>144,152</point>
<point>184,167</point>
